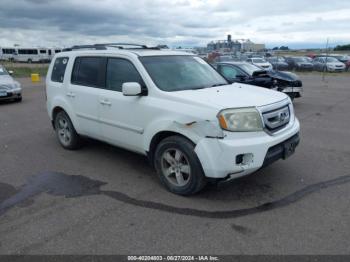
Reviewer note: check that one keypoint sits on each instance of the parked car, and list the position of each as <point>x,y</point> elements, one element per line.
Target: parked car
<point>278,63</point>
<point>246,73</point>
<point>241,72</point>
<point>172,107</point>
<point>344,59</point>
<point>9,88</point>
<point>260,62</point>
<point>329,64</point>
<point>299,63</point>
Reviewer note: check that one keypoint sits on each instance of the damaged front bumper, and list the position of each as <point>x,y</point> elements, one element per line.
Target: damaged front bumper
<point>239,154</point>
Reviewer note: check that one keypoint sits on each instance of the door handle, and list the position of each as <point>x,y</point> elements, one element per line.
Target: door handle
<point>105,102</point>
<point>70,94</point>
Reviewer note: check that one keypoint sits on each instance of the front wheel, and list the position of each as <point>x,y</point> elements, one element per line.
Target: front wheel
<point>65,131</point>
<point>178,166</point>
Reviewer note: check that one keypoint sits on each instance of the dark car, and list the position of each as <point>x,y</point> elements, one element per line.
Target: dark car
<point>299,63</point>
<point>278,63</point>
<point>246,73</point>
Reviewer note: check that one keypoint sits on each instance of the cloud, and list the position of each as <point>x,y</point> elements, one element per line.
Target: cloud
<point>177,22</point>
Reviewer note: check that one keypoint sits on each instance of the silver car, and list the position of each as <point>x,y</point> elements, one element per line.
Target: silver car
<point>329,64</point>
<point>9,88</point>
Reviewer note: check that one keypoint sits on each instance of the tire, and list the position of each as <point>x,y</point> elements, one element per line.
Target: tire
<point>178,166</point>
<point>66,133</point>
<point>29,61</point>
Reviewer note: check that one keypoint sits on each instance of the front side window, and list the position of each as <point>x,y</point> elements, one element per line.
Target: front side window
<point>121,71</point>
<point>178,73</point>
<point>229,72</point>
<point>89,71</point>
<point>59,69</point>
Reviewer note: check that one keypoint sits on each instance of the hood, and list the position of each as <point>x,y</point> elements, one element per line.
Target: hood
<point>228,96</point>
<point>284,75</point>
<point>6,80</point>
<point>263,64</point>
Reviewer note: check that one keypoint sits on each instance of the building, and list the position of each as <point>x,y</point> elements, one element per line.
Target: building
<point>229,45</point>
<point>249,46</point>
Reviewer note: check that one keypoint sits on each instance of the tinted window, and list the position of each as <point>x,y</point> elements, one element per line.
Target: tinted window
<point>120,71</point>
<point>59,69</point>
<point>89,71</point>
<point>42,51</point>
<point>27,51</point>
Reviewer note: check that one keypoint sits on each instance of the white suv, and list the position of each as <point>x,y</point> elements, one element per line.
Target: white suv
<point>172,107</point>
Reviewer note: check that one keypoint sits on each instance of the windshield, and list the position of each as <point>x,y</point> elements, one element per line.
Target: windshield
<point>300,59</point>
<point>258,60</point>
<point>178,73</point>
<point>331,59</point>
<point>249,68</point>
<point>3,71</point>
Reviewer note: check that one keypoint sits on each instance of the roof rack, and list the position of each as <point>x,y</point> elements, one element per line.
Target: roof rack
<point>106,45</point>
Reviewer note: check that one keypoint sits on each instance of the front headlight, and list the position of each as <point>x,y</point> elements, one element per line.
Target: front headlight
<point>240,120</point>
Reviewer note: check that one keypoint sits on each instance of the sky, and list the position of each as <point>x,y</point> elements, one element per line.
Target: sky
<point>186,23</point>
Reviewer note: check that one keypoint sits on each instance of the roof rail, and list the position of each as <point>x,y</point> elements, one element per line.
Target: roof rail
<point>115,45</point>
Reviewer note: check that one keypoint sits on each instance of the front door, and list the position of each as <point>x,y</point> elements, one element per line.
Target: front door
<point>123,118</point>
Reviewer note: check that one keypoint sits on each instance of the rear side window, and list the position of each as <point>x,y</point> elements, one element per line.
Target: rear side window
<point>89,71</point>
<point>59,69</point>
<point>120,71</point>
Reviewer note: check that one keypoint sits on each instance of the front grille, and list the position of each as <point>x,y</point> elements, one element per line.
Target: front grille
<point>276,119</point>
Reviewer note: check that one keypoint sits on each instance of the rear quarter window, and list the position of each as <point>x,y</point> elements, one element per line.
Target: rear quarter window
<point>59,69</point>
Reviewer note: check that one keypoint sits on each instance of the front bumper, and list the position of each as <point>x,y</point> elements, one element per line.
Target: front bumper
<point>222,158</point>
<point>336,69</point>
<point>10,94</point>
<point>298,90</point>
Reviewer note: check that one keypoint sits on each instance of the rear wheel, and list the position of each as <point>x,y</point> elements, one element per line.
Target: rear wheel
<point>65,131</point>
<point>178,166</point>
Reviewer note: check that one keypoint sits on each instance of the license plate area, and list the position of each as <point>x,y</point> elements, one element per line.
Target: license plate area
<point>3,93</point>
<point>289,147</point>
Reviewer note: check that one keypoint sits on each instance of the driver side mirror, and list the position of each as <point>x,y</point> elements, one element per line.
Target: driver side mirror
<point>131,89</point>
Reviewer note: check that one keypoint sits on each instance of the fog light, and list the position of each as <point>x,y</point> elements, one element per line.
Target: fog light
<point>244,159</point>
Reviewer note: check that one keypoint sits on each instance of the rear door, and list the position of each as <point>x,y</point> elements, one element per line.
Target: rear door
<point>84,91</point>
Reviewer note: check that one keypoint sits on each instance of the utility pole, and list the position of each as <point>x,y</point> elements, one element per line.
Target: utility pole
<point>325,69</point>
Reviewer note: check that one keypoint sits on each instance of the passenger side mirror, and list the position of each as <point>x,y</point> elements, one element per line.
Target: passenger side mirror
<point>10,72</point>
<point>131,89</point>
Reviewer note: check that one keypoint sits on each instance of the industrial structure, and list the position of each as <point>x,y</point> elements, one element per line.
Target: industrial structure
<point>234,45</point>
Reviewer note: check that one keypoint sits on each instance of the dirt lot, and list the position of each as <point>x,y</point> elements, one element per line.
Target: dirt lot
<point>105,200</point>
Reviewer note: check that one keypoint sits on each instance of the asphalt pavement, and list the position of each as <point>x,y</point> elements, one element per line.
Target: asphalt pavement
<point>105,200</point>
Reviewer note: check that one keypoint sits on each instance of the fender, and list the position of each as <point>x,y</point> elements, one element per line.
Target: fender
<point>59,101</point>
<point>194,130</point>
